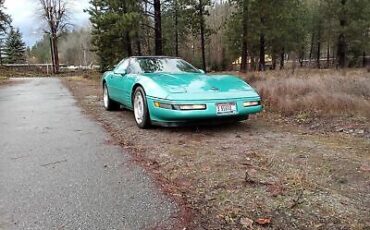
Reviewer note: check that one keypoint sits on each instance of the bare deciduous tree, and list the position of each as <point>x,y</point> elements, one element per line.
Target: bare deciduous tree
<point>54,12</point>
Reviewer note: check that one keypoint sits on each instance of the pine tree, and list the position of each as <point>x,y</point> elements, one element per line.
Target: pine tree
<point>266,27</point>
<point>294,29</point>
<point>2,55</point>
<point>197,22</point>
<point>115,24</point>
<point>15,48</point>
<point>4,18</point>
<point>175,26</point>
<point>4,24</point>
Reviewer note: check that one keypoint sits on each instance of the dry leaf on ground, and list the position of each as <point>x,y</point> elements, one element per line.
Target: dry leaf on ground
<point>365,168</point>
<point>263,221</point>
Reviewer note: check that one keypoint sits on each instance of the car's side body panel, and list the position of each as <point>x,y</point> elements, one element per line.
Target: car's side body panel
<point>115,86</point>
<point>129,81</point>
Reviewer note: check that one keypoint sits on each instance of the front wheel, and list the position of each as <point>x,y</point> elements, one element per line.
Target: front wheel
<point>109,104</point>
<point>141,112</point>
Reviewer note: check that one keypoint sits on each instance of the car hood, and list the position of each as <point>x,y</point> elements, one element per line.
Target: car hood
<point>197,86</point>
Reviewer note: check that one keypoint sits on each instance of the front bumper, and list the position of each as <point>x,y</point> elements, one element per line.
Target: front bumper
<point>162,115</point>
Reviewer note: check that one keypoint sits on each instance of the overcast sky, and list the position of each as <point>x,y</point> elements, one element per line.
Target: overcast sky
<point>24,14</point>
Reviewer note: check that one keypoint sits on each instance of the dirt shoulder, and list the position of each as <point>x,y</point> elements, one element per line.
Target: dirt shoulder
<point>254,174</point>
<point>3,80</point>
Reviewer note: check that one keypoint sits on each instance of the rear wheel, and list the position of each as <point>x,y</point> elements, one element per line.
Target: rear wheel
<point>109,104</point>
<point>141,112</point>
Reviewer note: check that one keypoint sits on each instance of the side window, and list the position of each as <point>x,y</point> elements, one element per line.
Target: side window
<point>122,66</point>
<point>134,67</point>
<point>129,67</point>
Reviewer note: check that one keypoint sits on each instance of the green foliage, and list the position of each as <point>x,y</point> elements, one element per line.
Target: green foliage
<point>40,52</point>
<point>289,25</point>
<point>194,18</point>
<point>357,31</point>
<point>15,48</point>
<point>175,20</point>
<point>293,29</point>
<point>281,22</point>
<point>114,25</point>
<point>75,48</point>
<point>4,18</point>
<point>4,24</point>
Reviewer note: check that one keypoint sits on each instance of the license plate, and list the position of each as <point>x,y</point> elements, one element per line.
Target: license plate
<point>226,108</point>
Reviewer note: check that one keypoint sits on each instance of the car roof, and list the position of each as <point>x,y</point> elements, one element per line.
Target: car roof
<point>159,57</point>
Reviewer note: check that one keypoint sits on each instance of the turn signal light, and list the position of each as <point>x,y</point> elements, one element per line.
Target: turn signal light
<point>251,103</point>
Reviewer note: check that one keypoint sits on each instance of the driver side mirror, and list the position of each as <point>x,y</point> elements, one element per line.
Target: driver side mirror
<point>202,71</point>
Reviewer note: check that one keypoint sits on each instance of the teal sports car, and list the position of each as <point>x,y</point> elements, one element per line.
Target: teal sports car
<point>168,91</point>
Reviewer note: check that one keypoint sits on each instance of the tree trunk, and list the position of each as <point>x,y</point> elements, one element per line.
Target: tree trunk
<point>301,56</point>
<point>294,59</point>
<point>341,51</point>
<point>273,67</point>
<point>328,48</point>
<point>244,62</point>
<point>328,56</point>
<point>282,57</point>
<point>138,43</point>
<point>128,44</point>
<point>148,43</point>
<point>253,62</point>
<point>54,53</point>
<point>126,35</point>
<point>224,61</point>
<point>311,48</point>
<point>158,28</point>
<point>176,30</point>
<point>202,35</point>
<point>364,60</point>
<point>342,45</point>
<point>318,48</point>
<point>1,50</point>
<point>1,57</point>
<point>333,57</point>
<point>261,66</point>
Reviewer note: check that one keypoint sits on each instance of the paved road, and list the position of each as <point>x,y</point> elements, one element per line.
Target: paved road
<point>57,170</point>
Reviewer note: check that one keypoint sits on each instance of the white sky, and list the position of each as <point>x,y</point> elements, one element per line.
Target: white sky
<point>24,14</point>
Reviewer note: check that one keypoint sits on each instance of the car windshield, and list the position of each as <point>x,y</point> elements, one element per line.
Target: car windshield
<point>153,65</point>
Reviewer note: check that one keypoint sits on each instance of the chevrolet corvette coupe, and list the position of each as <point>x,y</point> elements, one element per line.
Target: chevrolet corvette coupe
<point>168,91</point>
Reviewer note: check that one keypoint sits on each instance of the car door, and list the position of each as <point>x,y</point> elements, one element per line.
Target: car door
<point>117,80</point>
<point>128,83</point>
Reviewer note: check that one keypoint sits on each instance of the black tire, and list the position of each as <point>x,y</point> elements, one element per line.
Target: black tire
<point>144,121</point>
<point>108,103</point>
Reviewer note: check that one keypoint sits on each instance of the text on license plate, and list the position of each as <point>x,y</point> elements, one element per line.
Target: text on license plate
<point>226,108</point>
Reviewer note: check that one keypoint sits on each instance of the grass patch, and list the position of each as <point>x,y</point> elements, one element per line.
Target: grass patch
<point>323,93</point>
<point>3,80</point>
<point>93,75</point>
<point>6,72</point>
